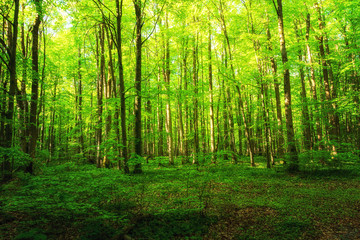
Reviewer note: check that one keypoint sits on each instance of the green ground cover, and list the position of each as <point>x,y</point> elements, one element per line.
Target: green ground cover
<point>223,201</point>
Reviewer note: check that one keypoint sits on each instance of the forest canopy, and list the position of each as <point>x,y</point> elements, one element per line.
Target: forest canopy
<point>120,83</point>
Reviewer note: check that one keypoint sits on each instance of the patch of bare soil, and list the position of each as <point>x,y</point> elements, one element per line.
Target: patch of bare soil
<point>234,221</point>
<point>344,228</point>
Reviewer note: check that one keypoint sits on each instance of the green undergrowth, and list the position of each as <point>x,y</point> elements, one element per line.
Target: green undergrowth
<point>222,201</point>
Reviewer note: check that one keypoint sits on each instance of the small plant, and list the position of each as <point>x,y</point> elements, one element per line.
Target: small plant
<point>96,229</point>
<point>18,159</point>
<point>33,234</point>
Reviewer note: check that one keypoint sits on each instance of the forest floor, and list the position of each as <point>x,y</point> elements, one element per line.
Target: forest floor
<point>223,201</point>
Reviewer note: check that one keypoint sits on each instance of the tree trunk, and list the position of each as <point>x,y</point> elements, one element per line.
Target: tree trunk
<point>211,101</point>
<point>160,124</point>
<point>195,102</point>
<point>121,87</point>
<point>313,85</point>
<point>186,108</point>
<point>51,147</point>
<point>80,100</point>
<point>238,89</point>
<point>9,116</point>
<point>100,92</point>
<point>305,111</point>
<point>180,113</point>
<point>108,95</point>
<point>21,95</point>
<point>33,126</point>
<point>280,132</point>
<point>168,123</point>
<point>331,126</point>
<point>291,145</point>
<point>137,105</point>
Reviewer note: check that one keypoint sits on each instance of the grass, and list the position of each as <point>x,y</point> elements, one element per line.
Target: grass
<point>223,201</point>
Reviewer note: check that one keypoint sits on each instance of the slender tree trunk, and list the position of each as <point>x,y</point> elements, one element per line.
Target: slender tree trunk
<point>195,102</point>
<point>211,100</point>
<point>186,108</point>
<point>21,95</point>
<point>80,98</point>
<point>264,105</point>
<point>180,111</point>
<point>41,109</point>
<point>160,119</point>
<point>137,106</point>
<point>331,126</point>
<point>305,111</point>
<point>119,5</point>
<point>100,92</point>
<point>168,123</point>
<point>279,132</point>
<point>51,146</point>
<point>313,86</point>
<point>225,122</point>
<point>291,145</point>
<point>9,116</point>
<point>33,126</point>
<point>238,89</point>
<point>108,84</point>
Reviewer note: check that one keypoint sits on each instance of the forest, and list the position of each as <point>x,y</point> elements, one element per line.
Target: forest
<point>163,119</point>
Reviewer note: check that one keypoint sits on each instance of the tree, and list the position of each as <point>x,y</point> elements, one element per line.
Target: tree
<point>124,152</point>
<point>294,164</point>
<point>100,92</point>
<point>137,106</point>
<point>332,126</point>
<point>10,50</point>
<point>305,110</point>
<point>211,99</point>
<point>166,66</point>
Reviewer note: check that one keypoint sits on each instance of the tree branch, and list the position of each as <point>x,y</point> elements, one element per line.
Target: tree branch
<point>152,31</point>
<point>5,46</point>
<point>6,18</point>
<point>277,11</point>
<point>3,60</point>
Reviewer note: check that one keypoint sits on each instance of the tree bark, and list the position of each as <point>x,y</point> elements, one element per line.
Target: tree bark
<point>108,95</point>
<point>305,111</point>
<point>80,100</point>
<point>168,123</point>
<point>124,147</point>
<point>195,102</point>
<point>211,100</point>
<point>160,149</point>
<point>186,108</point>
<point>137,105</point>
<point>180,111</point>
<point>100,93</point>
<point>279,129</point>
<point>238,89</point>
<point>313,85</point>
<point>291,145</point>
<point>331,126</point>
<point>9,116</point>
<point>33,126</point>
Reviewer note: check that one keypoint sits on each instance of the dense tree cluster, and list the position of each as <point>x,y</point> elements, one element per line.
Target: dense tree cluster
<point>113,82</point>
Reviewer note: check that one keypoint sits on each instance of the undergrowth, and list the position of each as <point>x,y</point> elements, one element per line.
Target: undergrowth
<point>223,201</point>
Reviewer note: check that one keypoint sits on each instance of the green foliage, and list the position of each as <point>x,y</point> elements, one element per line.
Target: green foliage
<point>178,202</point>
<point>96,229</point>
<point>33,234</point>
<point>43,155</point>
<point>16,156</point>
<point>178,224</point>
<point>290,228</point>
